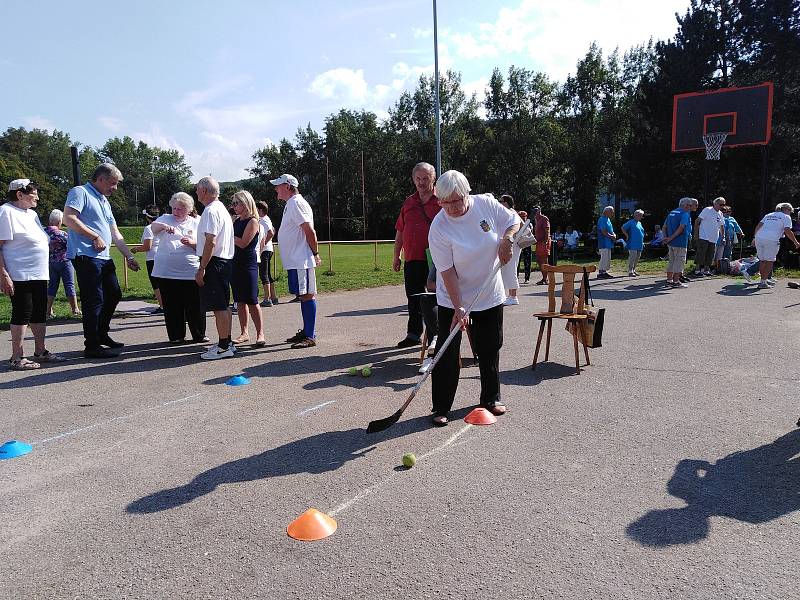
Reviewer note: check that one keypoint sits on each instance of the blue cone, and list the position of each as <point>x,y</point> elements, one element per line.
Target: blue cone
<point>14,449</point>
<point>237,380</point>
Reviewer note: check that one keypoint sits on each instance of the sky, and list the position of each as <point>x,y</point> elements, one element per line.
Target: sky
<point>218,80</point>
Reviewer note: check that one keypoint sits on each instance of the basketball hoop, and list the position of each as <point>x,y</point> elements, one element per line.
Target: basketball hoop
<point>714,142</point>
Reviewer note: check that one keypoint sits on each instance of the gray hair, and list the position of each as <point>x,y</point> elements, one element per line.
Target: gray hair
<point>784,206</point>
<point>182,198</point>
<point>719,199</point>
<point>423,165</point>
<point>686,202</point>
<point>608,209</point>
<point>55,218</point>
<point>449,182</point>
<point>210,185</point>
<point>638,211</point>
<point>106,170</point>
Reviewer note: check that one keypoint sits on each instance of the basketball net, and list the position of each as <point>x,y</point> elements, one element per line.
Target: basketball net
<point>714,142</point>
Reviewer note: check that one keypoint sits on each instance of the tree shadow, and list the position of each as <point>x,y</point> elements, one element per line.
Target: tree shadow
<point>367,312</point>
<point>753,486</point>
<point>315,455</point>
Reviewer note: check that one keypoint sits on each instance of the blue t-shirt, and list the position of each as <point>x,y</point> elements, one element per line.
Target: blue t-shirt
<point>94,212</point>
<point>635,233</point>
<point>604,224</point>
<point>675,219</point>
<point>732,226</point>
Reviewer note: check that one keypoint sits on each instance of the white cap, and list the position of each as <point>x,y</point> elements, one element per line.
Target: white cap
<point>18,184</point>
<point>285,178</point>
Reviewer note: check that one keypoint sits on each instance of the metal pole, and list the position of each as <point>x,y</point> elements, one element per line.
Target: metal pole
<point>76,172</point>
<point>438,112</point>
<point>328,191</point>
<point>363,197</point>
<point>764,177</point>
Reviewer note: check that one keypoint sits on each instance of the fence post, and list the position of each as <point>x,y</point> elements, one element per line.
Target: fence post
<point>376,255</point>
<point>330,258</point>
<point>125,273</point>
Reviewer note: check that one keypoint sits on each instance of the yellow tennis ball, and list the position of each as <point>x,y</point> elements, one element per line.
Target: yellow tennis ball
<point>409,460</point>
<point>352,371</point>
<point>366,372</point>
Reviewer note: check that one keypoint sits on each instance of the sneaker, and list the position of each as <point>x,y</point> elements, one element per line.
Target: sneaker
<point>157,311</point>
<point>684,279</point>
<point>763,285</point>
<point>48,357</point>
<point>698,273</point>
<point>274,300</point>
<point>511,301</point>
<point>305,343</point>
<point>300,335</point>
<point>793,284</point>
<point>266,303</point>
<point>771,280</point>
<point>107,341</point>
<point>216,352</point>
<point>295,299</point>
<point>707,273</point>
<point>432,346</point>
<point>679,284</point>
<point>426,364</point>
<point>631,274</point>
<point>406,342</point>
<point>747,277</point>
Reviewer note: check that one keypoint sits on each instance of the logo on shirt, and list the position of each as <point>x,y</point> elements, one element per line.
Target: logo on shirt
<point>485,226</point>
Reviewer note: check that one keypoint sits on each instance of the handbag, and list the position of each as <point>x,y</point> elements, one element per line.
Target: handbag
<point>525,238</point>
<point>595,318</point>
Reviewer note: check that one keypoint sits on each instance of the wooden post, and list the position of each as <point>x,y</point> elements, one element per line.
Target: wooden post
<point>330,257</point>
<point>125,273</point>
<point>376,255</point>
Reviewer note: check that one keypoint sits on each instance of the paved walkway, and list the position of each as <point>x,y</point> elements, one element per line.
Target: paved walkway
<point>668,469</point>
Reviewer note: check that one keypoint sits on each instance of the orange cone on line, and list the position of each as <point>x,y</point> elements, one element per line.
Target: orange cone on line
<point>312,525</point>
<point>480,416</point>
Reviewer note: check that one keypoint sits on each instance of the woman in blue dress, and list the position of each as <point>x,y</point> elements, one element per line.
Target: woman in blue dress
<point>244,276</point>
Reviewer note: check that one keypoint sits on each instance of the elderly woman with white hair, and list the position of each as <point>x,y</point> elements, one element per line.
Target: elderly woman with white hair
<point>60,267</point>
<point>605,242</point>
<point>467,238</point>
<point>634,236</point>
<point>175,265</point>
<point>769,232</point>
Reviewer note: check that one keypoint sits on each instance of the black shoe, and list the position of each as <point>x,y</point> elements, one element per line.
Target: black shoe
<point>201,340</point>
<point>295,299</point>
<point>685,279</point>
<point>107,341</point>
<point>407,342</point>
<point>99,353</point>
<point>297,337</point>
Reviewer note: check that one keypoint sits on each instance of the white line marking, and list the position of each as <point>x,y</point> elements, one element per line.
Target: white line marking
<point>318,406</point>
<point>367,491</point>
<point>114,420</point>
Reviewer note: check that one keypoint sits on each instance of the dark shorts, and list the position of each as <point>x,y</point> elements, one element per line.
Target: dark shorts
<point>264,270</point>
<point>215,293</point>
<point>29,302</point>
<point>153,280</point>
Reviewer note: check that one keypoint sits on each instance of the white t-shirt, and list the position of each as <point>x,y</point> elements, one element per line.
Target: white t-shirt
<point>295,251</point>
<point>469,243</point>
<point>26,247</point>
<point>173,259</point>
<point>147,234</point>
<point>572,238</point>
<point>266,226</point>
<point>216,220</point>
<point>773,225</point>
<point>710,222</point>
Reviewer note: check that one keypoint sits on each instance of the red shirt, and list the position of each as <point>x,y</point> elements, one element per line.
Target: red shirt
<point>414,222</point>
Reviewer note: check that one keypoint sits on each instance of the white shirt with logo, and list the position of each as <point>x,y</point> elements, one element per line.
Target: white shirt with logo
<point>175,260</point>
<point>772,226</point>
<point>217,221</point>
<point>710,222</point>
<point>295,251</point>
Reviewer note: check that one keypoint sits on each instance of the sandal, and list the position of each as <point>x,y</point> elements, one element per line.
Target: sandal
<point>23,364</point>
<point>439,421</point>
<point>48,356</point>
<point>497,409</point>
<point>242,339</point>
<point>260,343</point>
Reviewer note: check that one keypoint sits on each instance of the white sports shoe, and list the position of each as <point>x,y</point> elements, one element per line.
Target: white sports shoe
<point>511,301</point>
<point>426,364</point>
<point>216,352</point>
<point>432,346</point>
<point>746,276</point>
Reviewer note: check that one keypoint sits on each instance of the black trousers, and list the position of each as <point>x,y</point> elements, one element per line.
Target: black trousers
<point>415,274</point>
<point>525,257</point>
<point>486,327</point>
<point>100,294</point>
<point>182,305</point>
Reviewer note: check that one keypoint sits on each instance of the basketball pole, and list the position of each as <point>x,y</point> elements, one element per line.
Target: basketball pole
<point>764,176</point>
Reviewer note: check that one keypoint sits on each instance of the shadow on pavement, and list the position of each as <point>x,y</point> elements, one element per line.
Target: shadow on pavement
<point>525,376</point>
<point>385,310</point>
<point>737,289</point>
<point>754,486</point>
<point>316,454</point>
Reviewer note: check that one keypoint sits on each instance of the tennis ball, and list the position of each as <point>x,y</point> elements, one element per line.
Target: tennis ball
<point>409,460</point>
<point>366,372</point>
<point>352,371</point>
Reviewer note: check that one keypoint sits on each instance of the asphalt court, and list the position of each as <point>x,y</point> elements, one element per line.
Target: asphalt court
<point>668,468</point>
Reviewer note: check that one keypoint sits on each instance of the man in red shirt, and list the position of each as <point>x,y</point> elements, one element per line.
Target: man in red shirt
<point>412,228</point>
<point>541,231</point>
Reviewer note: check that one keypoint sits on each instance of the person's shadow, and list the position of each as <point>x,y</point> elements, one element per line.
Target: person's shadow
<point>754,486</point>
<point>316,454</point>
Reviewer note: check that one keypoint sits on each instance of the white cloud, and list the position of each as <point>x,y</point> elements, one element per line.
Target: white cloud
<point>341,83</point>
<point>38,122</point>
<point>111,123</point>
<point>157,138</point>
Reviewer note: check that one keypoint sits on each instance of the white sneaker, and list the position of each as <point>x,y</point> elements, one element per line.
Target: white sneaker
<point>763,285</point>
<point>771,281</point>
<point>426,364</point>
<point>747,276</point>
<point>511,301</point>
<point>678,284</point>
<point>432,346</point>
<point>216,352</point>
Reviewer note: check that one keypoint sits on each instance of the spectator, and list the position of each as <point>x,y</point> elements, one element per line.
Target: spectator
<point>526,253</point>
<point>541,231</point>
<point>658,238</point>
<point>709,227</point>
<point>24,257</point>
<point>300,255</point>
<point>571,238</point>
<point>60,267</point>
<point>767,237</point>
<point>733,231</point>
<point>605,242</point>
<point>215,248</point>
<point>92,228</point>
<point>149,246</point>
<point>411,239</point>
<point>267,250</point>
<point>634,235</point>
<point>175,267</point>
<point>678,232</point>
<point>509,270</point>
<point>466,240</point>
<point>244,271</point>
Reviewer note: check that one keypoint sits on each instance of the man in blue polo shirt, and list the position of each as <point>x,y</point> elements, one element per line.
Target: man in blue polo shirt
<point>605,242</point>
<point>678,231</point>
<point>92,229</point>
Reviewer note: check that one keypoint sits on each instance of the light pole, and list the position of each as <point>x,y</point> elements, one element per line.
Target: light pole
<point>153,172</point>
<point>436,74</point>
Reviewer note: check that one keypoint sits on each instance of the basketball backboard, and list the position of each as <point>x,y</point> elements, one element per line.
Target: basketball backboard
<point>744,113</point>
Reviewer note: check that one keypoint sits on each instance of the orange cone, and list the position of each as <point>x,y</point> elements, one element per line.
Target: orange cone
<point>312,525</point>
<point>480,416</point>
